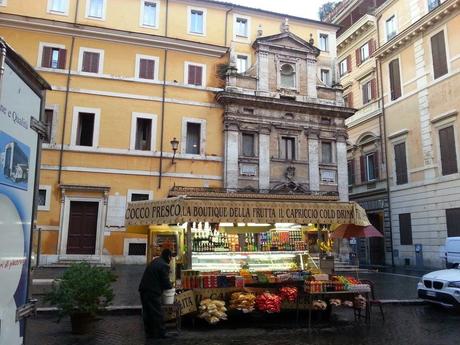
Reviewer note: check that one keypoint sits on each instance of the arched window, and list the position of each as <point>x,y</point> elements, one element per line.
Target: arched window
<point>287,76</point>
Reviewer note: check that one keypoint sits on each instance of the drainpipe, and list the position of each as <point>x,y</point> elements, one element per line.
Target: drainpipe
<point>226,24</point>
<point>382,117</point>
<point>67,92</point>
<point>166,19</point>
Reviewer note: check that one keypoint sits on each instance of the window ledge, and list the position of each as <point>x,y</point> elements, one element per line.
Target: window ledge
<point>444,116</point>
<point>153,27</point>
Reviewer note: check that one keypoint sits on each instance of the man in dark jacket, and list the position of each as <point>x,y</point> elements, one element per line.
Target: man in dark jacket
<point>154,281</point>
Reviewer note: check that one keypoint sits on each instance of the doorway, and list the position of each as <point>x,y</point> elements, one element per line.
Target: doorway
<point>376,244</point>
<point>82,234</point>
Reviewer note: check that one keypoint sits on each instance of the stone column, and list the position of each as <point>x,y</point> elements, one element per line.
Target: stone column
<point>342,169</point>
<point>264,158</point>
<point>231,155</point>
<point>263,73</point>
<point>313,159</point>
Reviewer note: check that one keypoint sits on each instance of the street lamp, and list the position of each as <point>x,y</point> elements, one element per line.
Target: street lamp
<point>174,146</point>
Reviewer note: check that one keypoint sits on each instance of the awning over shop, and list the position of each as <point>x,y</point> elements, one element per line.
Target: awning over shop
<point>183,209</point>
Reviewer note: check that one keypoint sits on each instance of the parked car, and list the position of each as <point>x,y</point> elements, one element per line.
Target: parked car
<point>441,287</point>
<point>452,252</point>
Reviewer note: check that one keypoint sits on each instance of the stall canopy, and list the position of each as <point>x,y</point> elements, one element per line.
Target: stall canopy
<point>183,209</point>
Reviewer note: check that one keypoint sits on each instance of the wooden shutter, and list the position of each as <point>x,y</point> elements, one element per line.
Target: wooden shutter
<point>146,69</point>
<point>62,58</point>
<point>405,229</point>
<point>438,53</point>
<point>401,163</point>
<point>349,63</point>
<point>376,165</point>
<point>95,62</point>
<point>191,74</point>
<point>46,57</point>
<point>351,178</point>
<point>453,222</point>
<point>395,79</point>
<point>350,99</point>
<point>448,151</point>
<point>373,88</point>
<point>198,75</point>
<point>362,161</point>
<point>358,57</point>
<point>372,46</point>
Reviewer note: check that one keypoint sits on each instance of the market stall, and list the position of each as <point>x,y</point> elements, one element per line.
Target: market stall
<point>245,254</point>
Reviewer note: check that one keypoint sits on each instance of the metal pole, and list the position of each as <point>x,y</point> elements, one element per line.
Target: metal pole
<point>39,246</point>
<point>2,64</point>
<point>189,245</point>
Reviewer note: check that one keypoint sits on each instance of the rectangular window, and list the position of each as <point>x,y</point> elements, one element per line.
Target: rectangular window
<point>325,77</point>
<point>326,153</point>
<point>140,196</point>
<point>43,198</point>
<point>367,92</point>
<point>149,13</point>
<point>96,9</point>
<point>143,134</point>
<point>49,114</point>
<point>146,69</point>
<point>405,229</point>
<point>242,27</point>
<point>91,62</point>
<point>287,148</point>
<point>58,6</point>
<point>351,172</point>
<point>343,66</point>
<point>193,138</point>
<point>401,163</point>
<point>390,26</point>
<point>85,129</point>
<point>395,79</point>
<point>194,75</point>
<point>324,42</point>
<point>241,63</point>
<point>371,167</point>
<point>196,22</point>
<point>453,222</point>
<point>364,52</point>
<point>53,57</point>
<point>248,145</point>
<point>438,54</point>
<point>448,150</point>
<point>432,4</point>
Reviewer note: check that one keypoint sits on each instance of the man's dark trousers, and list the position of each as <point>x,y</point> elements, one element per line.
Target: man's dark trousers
<point>152,314</point>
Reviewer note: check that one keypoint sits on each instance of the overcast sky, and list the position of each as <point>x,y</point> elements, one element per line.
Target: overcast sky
<point>299,8</point>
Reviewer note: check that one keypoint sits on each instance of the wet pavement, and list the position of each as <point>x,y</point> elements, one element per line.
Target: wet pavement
<point>388,285</point>
<point>415,325</point>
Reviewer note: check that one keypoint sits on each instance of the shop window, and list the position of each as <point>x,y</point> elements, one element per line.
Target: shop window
<point>326,153</point>
<point>241,63</point>
<point>453,222</point>
<point>242,27</point>
<point>49,115</point>
<point>395,79</point>
<point>390,26</point>
<point>91,60</point>
<point>405,229</point>
<point>287,148</point>
<point>143,134</point>
<point>195,74</point>
<point>432,4</point>
<point>149,14</point>
<point>248,144</point>
<point>324,42</point>
<point>196,21</point>
<point>53,57</point>
<point>140,196</point>
<point>448,151</point>
<point>438,54</point>
<point>193,138</point>
<point>58,6</point>
<point>95,9</point>
<point>326,77</point>
<point>401,163</point>
<point>85,129</point>
<point>287,76</point>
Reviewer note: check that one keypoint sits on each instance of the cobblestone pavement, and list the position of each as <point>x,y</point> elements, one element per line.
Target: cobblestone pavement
<point>414,325</point>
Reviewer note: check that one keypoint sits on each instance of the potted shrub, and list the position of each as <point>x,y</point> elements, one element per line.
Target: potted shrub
<point>81,293</point>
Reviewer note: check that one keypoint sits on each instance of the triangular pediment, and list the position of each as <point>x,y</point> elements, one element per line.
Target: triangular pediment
<point>287,40</point>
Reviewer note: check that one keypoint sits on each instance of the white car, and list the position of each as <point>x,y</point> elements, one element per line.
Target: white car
<point>441,287</point>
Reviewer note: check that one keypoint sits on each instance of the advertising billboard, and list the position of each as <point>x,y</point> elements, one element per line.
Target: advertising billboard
<point>18,157</point>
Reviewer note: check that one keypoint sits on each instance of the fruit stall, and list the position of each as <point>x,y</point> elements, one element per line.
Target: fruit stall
<point>243,255</point>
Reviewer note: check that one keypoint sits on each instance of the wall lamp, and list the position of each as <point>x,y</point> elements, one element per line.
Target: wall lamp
<point>174,146</point>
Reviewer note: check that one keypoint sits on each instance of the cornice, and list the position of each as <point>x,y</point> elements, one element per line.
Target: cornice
<point>119,36</point>
<point>419,27</point>
<point>356,30</point>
